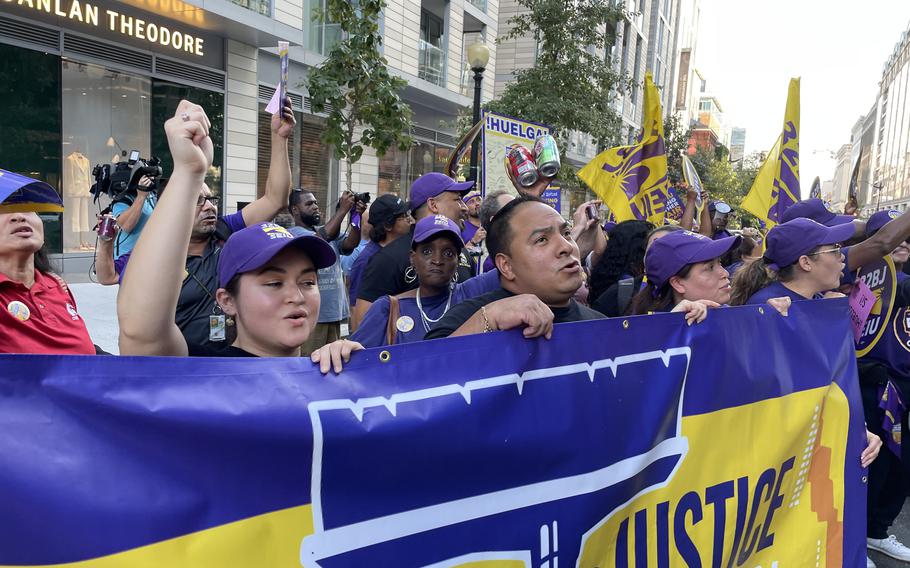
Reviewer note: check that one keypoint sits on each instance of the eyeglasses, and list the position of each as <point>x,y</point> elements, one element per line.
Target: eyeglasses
<point>200,201</point>
<point>836,250</point>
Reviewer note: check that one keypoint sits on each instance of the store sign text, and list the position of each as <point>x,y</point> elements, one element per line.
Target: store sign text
<point>116,22</point>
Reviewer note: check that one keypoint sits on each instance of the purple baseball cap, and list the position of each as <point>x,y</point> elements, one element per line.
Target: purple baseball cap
<point>252,247</point>
<point>429,227</point>
<point>670,254</point>
<point>789,241</point>
<point>608,226</point>
<point>879,220</point>
<point>432,184</point>
<point>814,209</point>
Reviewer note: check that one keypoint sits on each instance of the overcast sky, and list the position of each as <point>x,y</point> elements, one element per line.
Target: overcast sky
<point>747,52</point>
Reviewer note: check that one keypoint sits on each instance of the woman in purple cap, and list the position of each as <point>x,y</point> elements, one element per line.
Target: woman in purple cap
<point>684,273</point>
<point>408,316</point>
<point>803,261</point>
<point>267,277</point>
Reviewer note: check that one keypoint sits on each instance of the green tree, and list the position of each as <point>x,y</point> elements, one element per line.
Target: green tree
<point>676,140</point>
<point>570,88</point>
<point>354,87</point>
<point>724,182</point>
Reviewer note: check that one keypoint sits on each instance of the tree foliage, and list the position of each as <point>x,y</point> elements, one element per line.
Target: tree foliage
<point>725,183</point>
<point>676,140</point>
<point>571,87</point>
<point>354,87</point>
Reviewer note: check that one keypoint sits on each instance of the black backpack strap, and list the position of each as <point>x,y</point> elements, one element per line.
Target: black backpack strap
<point>222,231</point>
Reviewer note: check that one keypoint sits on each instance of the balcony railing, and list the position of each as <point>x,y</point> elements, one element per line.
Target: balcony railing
<point>432,64</point>
<point>263,7</point>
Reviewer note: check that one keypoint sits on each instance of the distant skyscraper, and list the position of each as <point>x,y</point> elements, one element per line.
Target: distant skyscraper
<point>737,144</point>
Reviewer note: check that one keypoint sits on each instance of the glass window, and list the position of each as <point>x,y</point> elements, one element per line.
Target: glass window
<point>106,115</point>
<point>165,98</point>
<point>30,129</point>
<point>321,37</point>
<point>313,164</point>
<point>398,170</point>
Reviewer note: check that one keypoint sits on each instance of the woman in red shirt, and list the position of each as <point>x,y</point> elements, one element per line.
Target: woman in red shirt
<point>37,310</point>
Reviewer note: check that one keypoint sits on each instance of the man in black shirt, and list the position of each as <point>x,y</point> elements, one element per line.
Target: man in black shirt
<point>389,272</point>
<point>539,270</point>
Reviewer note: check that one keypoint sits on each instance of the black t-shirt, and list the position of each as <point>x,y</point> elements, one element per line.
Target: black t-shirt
<point>458,315</point>
<point>208,350</point>
<point>608,302</point>
<point>390,273</point>
<point>196,301</point>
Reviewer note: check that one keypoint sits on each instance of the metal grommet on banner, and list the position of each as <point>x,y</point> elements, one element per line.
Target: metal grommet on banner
<point>625,324</point>
<point>385,356</point>
<point>865,478</point>
<point>761,310</point>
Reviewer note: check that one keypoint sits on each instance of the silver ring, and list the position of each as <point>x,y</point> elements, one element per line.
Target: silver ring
<point>184,116</point>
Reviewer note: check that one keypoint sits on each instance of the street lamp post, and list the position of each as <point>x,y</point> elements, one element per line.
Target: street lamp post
<point>478,57</point>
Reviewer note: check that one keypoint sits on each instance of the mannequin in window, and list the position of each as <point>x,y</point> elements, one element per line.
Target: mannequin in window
<point>77,180</point>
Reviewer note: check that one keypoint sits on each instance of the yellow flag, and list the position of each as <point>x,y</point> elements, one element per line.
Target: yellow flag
<point>776,187</point>
<point>632,180</point>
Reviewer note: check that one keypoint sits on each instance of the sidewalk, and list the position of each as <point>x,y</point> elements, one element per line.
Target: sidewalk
<point>97,305</point>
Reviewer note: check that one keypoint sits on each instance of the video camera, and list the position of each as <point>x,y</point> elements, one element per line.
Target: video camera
<point>123,180</point>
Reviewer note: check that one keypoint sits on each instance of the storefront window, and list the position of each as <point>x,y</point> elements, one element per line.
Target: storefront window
<point>30,128</point>
<point>165,98</point>
<point>313,164</point>
<point>106,115</point>
<point>398,169</point>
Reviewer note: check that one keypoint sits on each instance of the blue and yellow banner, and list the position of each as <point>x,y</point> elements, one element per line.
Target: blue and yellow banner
<point>632,180</point>
<point>776,186</point>
<point>655,444</point>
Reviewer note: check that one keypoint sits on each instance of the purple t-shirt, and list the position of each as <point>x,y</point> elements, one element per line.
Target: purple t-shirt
<point>411,325</point>
<point>470,229</point>
<point>893,348</point>
<point>777,290</point>
<point>357,269</point>
<point>234,222</point>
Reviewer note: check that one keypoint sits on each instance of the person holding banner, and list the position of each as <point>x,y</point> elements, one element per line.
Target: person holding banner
<point>267,276</point>
<point>685,275</point>
<point>408,316</point>
<point>803,261</point>
<point>539,272</point>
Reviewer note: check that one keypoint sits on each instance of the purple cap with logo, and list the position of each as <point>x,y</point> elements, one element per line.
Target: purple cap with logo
<point>429,227</point>
<point>879,219</point>
<point>249,249</point>
<point>432,184</point>
<point>669,254</point>
<point>814,209</point>
<point>789,241</point>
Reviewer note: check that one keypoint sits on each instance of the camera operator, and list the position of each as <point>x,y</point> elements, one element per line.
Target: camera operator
<point>333,306</point>
<point>198,315</point>
<point>131,213</point>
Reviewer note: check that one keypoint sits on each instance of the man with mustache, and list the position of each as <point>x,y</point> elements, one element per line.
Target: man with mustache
<point>333,307</point>
<point>539,272</point>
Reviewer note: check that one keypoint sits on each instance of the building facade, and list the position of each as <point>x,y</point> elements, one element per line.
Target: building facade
<point>687,80</point>
<point>890,152</point>
<point>86,83</point>
<point>737,145</point>
<point>837,196</point>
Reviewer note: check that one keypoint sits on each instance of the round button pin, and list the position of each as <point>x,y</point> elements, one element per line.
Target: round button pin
<point>404,324</point>
<point>19,310</point>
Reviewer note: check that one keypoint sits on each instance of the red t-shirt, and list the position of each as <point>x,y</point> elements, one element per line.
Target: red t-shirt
<point>42,319</point>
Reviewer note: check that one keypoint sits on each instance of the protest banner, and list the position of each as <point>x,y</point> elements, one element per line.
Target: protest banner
<point>500,133</point>
<point>640,442</point>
